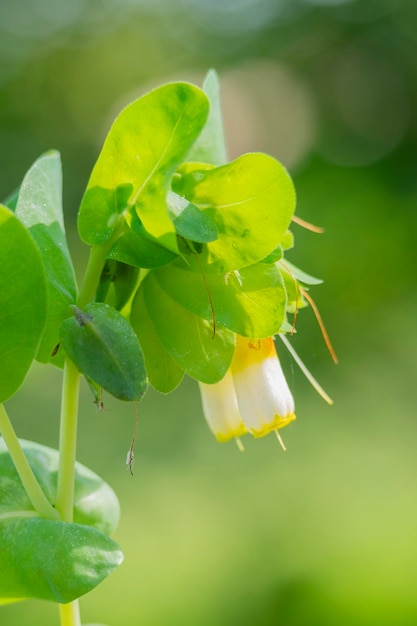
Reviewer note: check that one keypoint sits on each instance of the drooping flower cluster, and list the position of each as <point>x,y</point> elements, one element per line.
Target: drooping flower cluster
<point>253,396</point>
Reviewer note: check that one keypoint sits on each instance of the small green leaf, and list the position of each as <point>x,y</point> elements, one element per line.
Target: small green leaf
<point>136,247</point>
<point>105,348</point>
<point>188,339</point>
<point>300,275</point>
<point>52,560</point>
<point>189,221</point>
<point>210,147</point>
<point>163,372</point>
<point>251,302</point>
<point>23,302</point>
<point>144,147</point>
<point>251,201</point>
<point>39,208</point>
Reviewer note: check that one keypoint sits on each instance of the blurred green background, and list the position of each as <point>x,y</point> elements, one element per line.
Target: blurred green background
<point>325,534</point>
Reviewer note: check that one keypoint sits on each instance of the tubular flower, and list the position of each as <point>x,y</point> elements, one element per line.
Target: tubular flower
<point>253,396</point>
<point>221,410</point>
<point>264,399</point>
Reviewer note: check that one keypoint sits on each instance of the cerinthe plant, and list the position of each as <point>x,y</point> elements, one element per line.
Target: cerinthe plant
<point>186,275</point>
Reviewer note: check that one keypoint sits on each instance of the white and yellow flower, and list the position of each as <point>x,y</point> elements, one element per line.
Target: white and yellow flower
<point>253,396</point>
<point>221,410</point>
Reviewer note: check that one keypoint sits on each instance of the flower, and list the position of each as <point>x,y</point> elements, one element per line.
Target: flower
<point>221,410</point>
<point>253,396</point>
<point>264,398</point>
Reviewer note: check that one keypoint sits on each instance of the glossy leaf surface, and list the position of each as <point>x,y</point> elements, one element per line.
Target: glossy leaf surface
<point>145,145</point>
<point>47,559</point>
<point>105,348</point>
<point>251,202</point>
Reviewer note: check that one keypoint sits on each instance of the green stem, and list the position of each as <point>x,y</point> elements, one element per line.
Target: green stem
<point>28,478</point>
<point>70,614</point>
<point>68,441</point>
<point>98,255</point>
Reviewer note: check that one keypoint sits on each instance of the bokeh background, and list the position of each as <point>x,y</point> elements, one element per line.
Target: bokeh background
<point>325,534</point>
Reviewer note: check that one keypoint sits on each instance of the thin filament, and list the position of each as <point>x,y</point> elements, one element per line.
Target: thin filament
<point>307,225</point>
<point>305,371</point>
<point>281,443</point>
<point>319,319</point>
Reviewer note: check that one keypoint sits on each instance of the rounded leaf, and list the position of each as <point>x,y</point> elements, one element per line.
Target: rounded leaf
<point>104,347</point>
<point>23,302</point>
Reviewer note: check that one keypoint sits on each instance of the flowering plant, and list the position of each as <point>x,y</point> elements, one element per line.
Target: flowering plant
<point>186,275</point>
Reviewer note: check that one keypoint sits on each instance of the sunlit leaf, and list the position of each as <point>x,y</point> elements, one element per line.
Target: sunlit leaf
<point>210,147</point>
<point>163,372</point>
<point>145,145</point>
<point>251,302</point>
<point>105,348</point>
<point>23,302</point>
<point>190,340</point>
<point>251,202</point>
<point>39,208</point>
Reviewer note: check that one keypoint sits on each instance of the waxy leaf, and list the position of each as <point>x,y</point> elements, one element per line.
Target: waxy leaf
<point>188,339</point>
<point>39,208</point>
<point>163,372</point>
<point>95,503</point>
<point>23,302</point>
<point>251,202</point>
<point>48,559</point>
<point>144,147</point>
<point>210,147</point>
<point>53,560</point>
<point>251,301</point>
<point>104,347</point>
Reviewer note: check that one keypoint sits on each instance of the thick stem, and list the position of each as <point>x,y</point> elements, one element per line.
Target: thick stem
<point>40,502</point>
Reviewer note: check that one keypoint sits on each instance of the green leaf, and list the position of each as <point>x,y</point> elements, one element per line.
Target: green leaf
<point>95,503</point>
<point>251,201</point>
<point>251,302</point>
<point>189,221</point>
<point>117,283</point>
<point>23,302</point>
<point>144,147</point>
<point>210,147</point>
<point>39,208</point>
<point>11,199</point>
<point>300,275</point>
<point>105,348</point>
<point>188,339</point>
<point>163,372</point>
<point>52,560</point>
<point>136,247</point>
